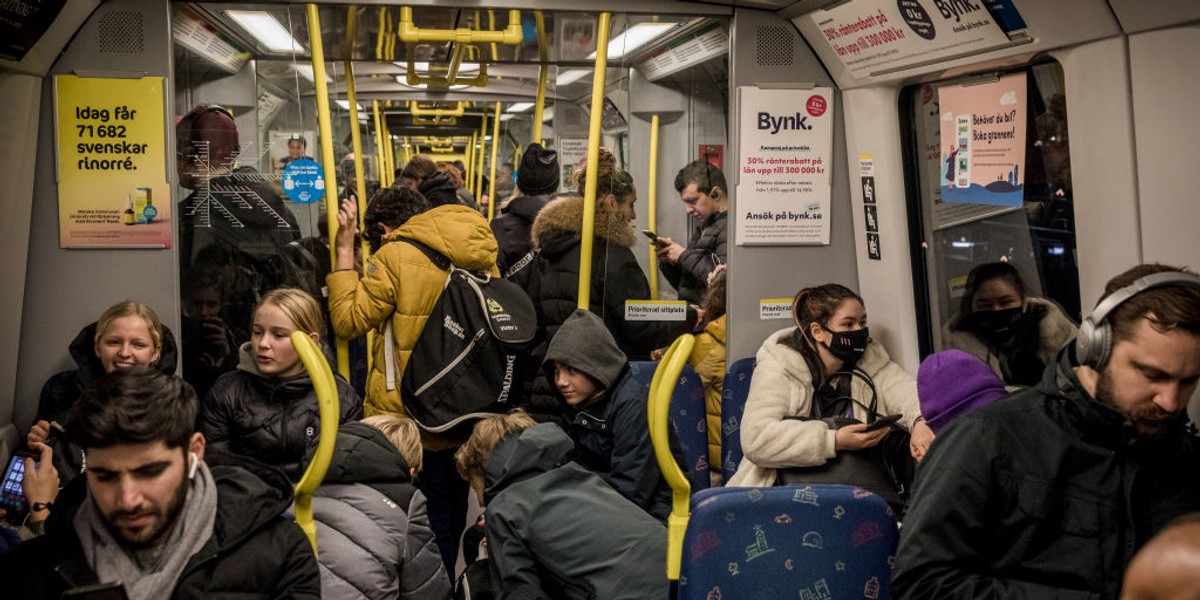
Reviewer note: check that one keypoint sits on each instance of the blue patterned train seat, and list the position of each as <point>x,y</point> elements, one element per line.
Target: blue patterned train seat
<point>687,418</point>
<point>733,403</point>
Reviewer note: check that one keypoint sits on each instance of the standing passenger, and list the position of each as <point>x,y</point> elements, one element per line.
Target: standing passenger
<point>537,180</point>
<point>702,190</point>
<point>1049,492</point>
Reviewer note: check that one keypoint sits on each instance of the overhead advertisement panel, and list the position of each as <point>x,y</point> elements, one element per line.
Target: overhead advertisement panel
<point>869,36</point>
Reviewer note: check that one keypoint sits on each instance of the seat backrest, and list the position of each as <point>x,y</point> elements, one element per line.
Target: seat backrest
<point>815,542</point>
<point>733,403</point>
<point>688,420</point>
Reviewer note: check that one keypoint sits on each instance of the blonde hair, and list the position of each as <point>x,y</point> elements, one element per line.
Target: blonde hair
<point>298,305</point>
<point>610,179</point>
<point>402,432</point>
<point>129,308</point>
<point>472,456</point>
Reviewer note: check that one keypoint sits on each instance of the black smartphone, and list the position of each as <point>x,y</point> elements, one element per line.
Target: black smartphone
<point>650,234</point>
<point>882,422</point>
<point>12,493</point>
<point>99,591</point>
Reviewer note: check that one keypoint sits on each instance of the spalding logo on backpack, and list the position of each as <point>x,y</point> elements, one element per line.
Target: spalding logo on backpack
<point>468,367</point>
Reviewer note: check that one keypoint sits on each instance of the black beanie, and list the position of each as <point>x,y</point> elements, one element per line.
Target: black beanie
<point>538,174</point>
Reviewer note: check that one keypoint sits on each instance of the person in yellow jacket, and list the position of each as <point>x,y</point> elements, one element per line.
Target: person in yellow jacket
<point>708,358</point>
<point>401,285</point>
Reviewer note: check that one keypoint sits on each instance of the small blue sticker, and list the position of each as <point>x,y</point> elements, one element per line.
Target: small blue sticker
<point>149,212</point>
<point>303,181</point>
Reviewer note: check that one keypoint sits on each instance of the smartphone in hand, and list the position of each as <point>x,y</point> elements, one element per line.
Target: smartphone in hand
<point>650,234</point>
<point>882,422</point>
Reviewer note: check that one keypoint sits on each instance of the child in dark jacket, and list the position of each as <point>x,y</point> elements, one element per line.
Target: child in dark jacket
<point>607,410</point>
<point>267,408</point>
<point>537,503</point>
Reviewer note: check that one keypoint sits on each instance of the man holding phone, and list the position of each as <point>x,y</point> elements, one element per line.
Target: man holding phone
<point>30,487</point>
<point>156,518</point>
<point>702,190</point>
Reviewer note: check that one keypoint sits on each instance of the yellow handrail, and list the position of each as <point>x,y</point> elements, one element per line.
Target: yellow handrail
<point>493,199</point>
<point>482,148</point>
<point>593,156</point>
<point>662,386</point>
<point>469,165</point>
<point>327,403</point>
<point>411,34</point>
<point>539,105</point>
<point>652,208</point>
<point>415,108</point>
<point>379,162</point>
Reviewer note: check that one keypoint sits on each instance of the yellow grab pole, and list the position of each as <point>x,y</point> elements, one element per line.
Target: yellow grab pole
<point>379,162</point>
<point>543,72</point>
<point>469,165</point>
<point>493,199</point>
<point>482,147</point>
<point>652,219</point>
<point>662,387</point>
<point>593,156</point>
<point>327,405</point>
<point>326,133</point>
<point>360,186</point>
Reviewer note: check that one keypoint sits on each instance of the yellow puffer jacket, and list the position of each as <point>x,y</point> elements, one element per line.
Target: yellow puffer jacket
<point>708,358</point>
<point>402,284</point>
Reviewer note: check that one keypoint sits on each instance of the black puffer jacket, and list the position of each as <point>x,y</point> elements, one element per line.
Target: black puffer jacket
<point>616,276</point>
<point>689,276</point>
<point>439,189</point>
<point>62,390</point>
<point>512,229</point>
<point>254,551</point>
<point>271,419</point>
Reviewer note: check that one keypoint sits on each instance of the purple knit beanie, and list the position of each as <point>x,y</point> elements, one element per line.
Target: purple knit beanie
<point>953,383</point>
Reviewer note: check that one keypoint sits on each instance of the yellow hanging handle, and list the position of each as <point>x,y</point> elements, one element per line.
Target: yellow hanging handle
<point>662,386</point>
<point>327,402</point>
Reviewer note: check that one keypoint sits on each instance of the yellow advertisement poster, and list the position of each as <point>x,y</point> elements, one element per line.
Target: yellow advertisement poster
<point>112,174</point>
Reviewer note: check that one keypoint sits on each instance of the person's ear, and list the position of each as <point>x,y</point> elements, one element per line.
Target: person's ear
<point>412,472</point>
<point>157,355</point>
<point>316,337</point>
<point>816,333</point>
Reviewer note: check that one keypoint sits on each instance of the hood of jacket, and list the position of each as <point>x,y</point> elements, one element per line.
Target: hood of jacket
<point>363,454</point>
<point>83,352</point>
<point>526,207</point>
<point>522,455</point>
<point>439,189</point>
<point>559,225</point>
<point>716,328</point>
<point>584,343</point>
<point>458,232</point>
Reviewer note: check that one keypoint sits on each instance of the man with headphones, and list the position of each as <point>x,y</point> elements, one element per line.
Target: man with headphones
<point>1048,492</point>
<point>154,516</point>
<point>702,190</point>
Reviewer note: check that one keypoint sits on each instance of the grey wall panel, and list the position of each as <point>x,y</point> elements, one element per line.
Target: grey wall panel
<point>771,272</point>
<point>67,289</point>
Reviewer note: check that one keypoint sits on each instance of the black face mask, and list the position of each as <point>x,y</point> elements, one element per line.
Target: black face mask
<point>848,346</point>
<point>996,325</point>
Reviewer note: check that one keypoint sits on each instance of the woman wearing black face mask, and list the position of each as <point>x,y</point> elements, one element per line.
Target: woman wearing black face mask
<point>1014,334</point>
<point>807,363</point>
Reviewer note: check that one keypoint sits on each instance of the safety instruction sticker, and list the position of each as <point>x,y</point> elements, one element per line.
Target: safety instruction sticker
<point>655,310</point>
<point>111,164</point>
<point>303,181</point>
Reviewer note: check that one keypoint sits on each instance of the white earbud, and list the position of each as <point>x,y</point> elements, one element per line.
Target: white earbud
<point>194,465</point>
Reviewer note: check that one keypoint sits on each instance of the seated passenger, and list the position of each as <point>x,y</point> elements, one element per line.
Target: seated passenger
<point>953,383</point>
<point>803,372</point>
<point>1167,568</point>
<point>1049,492</point>
<point>607,411</point>
<point>708,358</point>
<point>372,530</point>
<point>1015,334</point>
<point>616,275</point>
<point>155,514</point>
<point>267,408</point>
<point>128,334</point>
<point>555,529</point>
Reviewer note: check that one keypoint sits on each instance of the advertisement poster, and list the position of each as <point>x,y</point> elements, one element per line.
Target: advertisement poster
<point>572,156</point>
<point>112,177</point>
<point>888,35</point>
<point>983,142</point>
<point>783,183</point>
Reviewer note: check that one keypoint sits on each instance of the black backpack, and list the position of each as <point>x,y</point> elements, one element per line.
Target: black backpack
<point>468,361</point>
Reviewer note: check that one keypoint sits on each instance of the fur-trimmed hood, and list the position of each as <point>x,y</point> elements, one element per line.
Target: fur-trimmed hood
<point>558,226</point>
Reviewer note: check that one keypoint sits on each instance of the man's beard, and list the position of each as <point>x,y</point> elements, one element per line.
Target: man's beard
<point>151,537</point>
<point>1151,422</point>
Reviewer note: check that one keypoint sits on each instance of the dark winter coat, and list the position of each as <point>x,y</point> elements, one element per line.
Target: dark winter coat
<point>512,229</point>
<point>705,250</point>
<point>439,189</point>
<point>538,506</point>
<point>372,530</point>
<point>254,551</point>
<point>62,390</point>
<point>616,276</point>
<point>1045,494</point>
<point>611,430</point>
<point>275,420</point>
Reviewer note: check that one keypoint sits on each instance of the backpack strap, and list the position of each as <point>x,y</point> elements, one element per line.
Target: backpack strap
<point>439,260</point>
<point>524,262</point>
<point>389,356</point>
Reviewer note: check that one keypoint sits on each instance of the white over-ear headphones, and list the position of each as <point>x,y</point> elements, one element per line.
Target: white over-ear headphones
<point>1094,342</point>
<point>195,463</point>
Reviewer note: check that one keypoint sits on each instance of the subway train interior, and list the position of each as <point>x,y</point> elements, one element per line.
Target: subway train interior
<point>887,146</point>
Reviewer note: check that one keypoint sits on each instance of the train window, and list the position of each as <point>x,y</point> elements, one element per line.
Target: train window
<point>989,176</point>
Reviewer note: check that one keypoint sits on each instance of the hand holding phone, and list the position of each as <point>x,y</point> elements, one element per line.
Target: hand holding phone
<point>882,422</point>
